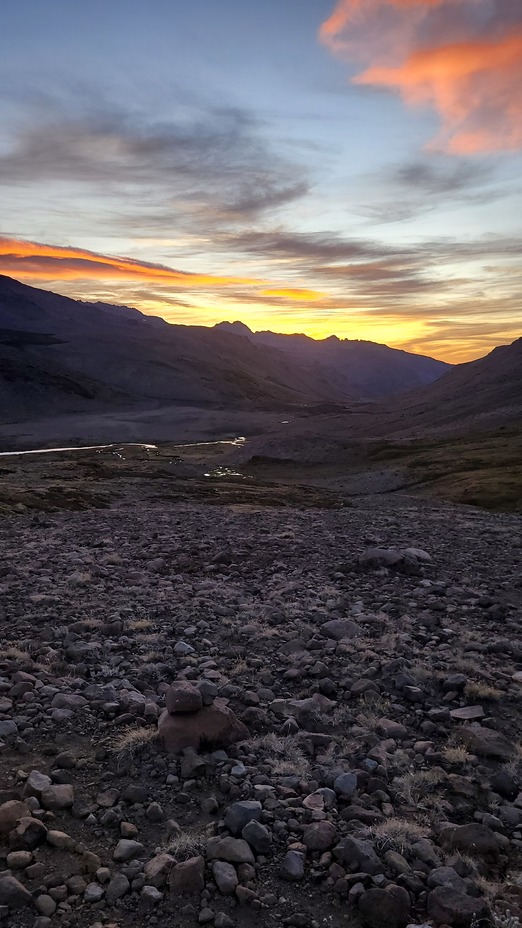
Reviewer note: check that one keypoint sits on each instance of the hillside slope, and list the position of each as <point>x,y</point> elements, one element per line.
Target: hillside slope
<point>482,393</point>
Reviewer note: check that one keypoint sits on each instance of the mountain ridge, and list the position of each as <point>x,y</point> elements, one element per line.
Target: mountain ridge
<point>105,354</point>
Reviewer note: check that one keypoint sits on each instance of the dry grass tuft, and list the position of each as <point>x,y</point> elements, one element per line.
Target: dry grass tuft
<point>514,766</point>
<point>475,689</point>
<point>414,787</point>
<point>140,625</point>
<point>189,842</point>
<point>396,834</point>
<point>152,657</point>
<point>283,753</point>
<point>134,739</point>
<point>238,667</point>
<point>12,653</point>
<point>91,622</point>
<point>456,754</point>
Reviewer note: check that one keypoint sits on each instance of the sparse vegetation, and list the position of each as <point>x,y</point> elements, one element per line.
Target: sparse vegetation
<point>416,786</point>
<point>397,834</point>
<point>132,740</point>
<point>476,689</point>
<point>188,841</point>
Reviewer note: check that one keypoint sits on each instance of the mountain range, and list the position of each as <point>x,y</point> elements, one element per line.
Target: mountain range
<point>59,355</point>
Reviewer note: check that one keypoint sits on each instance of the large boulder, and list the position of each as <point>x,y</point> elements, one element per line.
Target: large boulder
<point>473,839</point>
<point>13,894</point>
<point>341,628</point>
<point>212,727</point>
<point>485,742</point>
<point>385,908</point>
<point>11,814</point>
<point>188,876</point>
<point>448,906</point>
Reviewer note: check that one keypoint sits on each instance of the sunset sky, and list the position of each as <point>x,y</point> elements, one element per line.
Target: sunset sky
<point>302,165</point>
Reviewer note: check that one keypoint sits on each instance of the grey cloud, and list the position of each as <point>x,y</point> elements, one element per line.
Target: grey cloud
<point>207,161</point>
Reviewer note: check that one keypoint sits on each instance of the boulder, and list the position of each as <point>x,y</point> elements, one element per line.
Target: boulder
<point>181,696</point>
<point>225,877</point>
<point>233,850</point>
<point>385,908</point>
<point>213,726</point>
<point>359,856</point>
<point>473,839</point>
<point>341,628</point>
<point>28,834</point>
<point>448,906</point>
<point>11,814</point>
<point>188,876</point>
<point>485,742</point>
<point>292,867</point>
<point>241,813</point>
<point>319,836</point>
<point>12,893</point>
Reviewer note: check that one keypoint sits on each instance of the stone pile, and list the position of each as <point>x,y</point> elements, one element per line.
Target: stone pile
<point>192,720</point>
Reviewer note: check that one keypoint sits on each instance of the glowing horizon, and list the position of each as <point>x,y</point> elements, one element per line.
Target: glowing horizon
<point>349,171</point>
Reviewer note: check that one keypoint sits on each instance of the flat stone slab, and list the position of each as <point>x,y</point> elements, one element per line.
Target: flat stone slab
<point>467,713</point>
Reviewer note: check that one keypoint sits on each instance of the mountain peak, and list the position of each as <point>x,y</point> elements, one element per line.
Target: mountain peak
<point>237,328</point>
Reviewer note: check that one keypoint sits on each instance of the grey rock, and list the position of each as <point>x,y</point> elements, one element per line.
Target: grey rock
<point>13,893</point>
<point>118,887</point>
<point>233,850</point>
<point>359,856</point>
<point>345,785</point>
<point>225,877</point>
<point>293,866</point>
<point>258,837</point>
<point>241,813</point>
<point>127,849</point>
<point>93,893</point>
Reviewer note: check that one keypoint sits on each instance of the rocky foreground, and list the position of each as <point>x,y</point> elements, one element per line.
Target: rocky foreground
<point>371,765</point>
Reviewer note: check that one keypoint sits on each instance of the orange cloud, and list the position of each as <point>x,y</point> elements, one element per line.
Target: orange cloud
<point>474,83</point>
<point>471,85</point>
<point>34,260</point>
<point>295,293</point>
<point>351,11</point>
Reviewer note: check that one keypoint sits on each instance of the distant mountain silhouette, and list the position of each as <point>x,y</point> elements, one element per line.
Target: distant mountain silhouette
<point>61,355</point>
<point>486,392</point>
<point>363,368</point>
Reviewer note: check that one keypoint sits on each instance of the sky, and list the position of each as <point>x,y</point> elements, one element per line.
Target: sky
<point>350,168</point>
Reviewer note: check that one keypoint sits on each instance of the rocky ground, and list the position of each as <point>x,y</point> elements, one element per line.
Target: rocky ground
<point>378,780</point>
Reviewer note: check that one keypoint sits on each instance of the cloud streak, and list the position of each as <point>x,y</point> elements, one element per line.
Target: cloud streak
<point>203,165</point>
<point>34,260</point>
<point>463,59</point>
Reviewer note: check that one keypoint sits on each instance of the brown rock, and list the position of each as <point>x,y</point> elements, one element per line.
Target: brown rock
<point>485,742</point>
<point>158,869</point>
<point>477,840</point>
<point>447,906</point>
<point>212,726</point>
<point>58,796</point>
<point>181,696</point>
<point>188,876</point>
<point>10,815</point>
<point>319,836</point>
<point>28,835</point>
<point>385,908</point>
